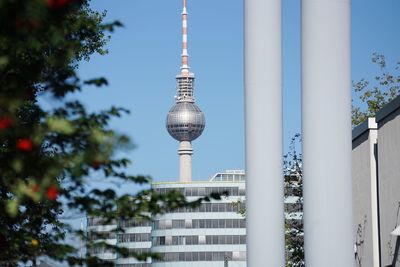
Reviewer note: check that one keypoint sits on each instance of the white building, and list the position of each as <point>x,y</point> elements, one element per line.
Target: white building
<point>214,234</point>
<point>209,235</point>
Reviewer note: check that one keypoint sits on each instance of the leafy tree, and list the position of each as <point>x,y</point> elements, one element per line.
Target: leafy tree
<point>293,180</point>
<point>375,94</point>
<point>47,157</point>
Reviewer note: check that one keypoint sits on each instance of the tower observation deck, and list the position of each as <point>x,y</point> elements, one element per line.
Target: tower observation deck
<point>185,121</point>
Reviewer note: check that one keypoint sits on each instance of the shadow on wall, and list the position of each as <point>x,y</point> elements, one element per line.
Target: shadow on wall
<point>395,253</point>
<point>360,237</point>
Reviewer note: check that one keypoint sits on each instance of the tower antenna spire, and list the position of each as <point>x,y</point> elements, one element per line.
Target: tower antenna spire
<point>185,55</point>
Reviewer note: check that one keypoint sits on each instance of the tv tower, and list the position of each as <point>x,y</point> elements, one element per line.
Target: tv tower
<point>185,120</point>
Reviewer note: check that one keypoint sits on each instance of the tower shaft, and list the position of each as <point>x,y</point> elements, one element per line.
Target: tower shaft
<point>185,153</point>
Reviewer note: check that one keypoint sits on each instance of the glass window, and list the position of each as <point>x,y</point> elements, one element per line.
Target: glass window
<point>229,207</point>
<point>188,256</point>
<point>235,191</point>
<point>168,224</point>
<point>195,191</point>
<point>202,208</point>
<point>202,256</point>
<point>221,207</point>
<point>242,191</point>
<point>215,256</point>
<point>202,239</point>
<point>195,256</point>
<point>208,207</point>
<point>214,239</point>
<point>202,224</point>
<point>202,191</point>
<point>208,256</point>
<point>235,255</point>
<point>188,223</point>
<point>181,256</point>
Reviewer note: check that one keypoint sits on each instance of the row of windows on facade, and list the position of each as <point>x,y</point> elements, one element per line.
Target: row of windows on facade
<point>134,265</point>
<point>212,207</point>
<point>230,177</point>
<point>204,207</point>
<point>131,252</point>
<point>199,240</point>
<point>199,223</point>
<point>93,236</point>
<point>142,237</point>
<point>95,221</point>
<point>202,256</point>
<point>178,224</point>
<point>203,191</point>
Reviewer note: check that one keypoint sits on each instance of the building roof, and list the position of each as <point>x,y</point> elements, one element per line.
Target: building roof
<point>391,107</point>
<point>380,115</point>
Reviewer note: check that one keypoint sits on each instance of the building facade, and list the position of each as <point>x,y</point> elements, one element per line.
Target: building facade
<point>376,188</point>
<point>210,235</point>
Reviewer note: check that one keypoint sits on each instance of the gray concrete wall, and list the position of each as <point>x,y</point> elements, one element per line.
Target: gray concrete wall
<point>387,152</point>
<point>362,229</point>
<point>389,181</point>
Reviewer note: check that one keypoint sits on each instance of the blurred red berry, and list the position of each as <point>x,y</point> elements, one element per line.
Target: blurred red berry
<point>5,123</point>
<point>57,3</point>
<point>96,164</point>
<point>24,144</point>
<point>52,193</point>
<point>35,188</point>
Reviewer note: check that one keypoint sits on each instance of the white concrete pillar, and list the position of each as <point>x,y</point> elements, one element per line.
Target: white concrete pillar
<point>326,126</point>
<point>185,153</point>
<point>263,118</point>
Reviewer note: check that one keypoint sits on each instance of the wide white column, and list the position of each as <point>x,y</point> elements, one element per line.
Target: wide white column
<point>326,126</point>
<point>263,119</point>
<point>185,153</point>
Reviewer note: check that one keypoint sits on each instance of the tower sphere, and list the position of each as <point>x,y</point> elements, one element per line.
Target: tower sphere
<point>185,121</point>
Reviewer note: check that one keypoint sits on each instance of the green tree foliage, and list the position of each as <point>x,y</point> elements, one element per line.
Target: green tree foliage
<point>376,93</point>
<point>293,181</point>
<point>47,157</point>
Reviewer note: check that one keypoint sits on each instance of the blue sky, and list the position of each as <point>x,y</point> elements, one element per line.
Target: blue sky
<point>144,58</point>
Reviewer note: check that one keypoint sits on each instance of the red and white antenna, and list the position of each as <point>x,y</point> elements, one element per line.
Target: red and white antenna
<point>185,55</point>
